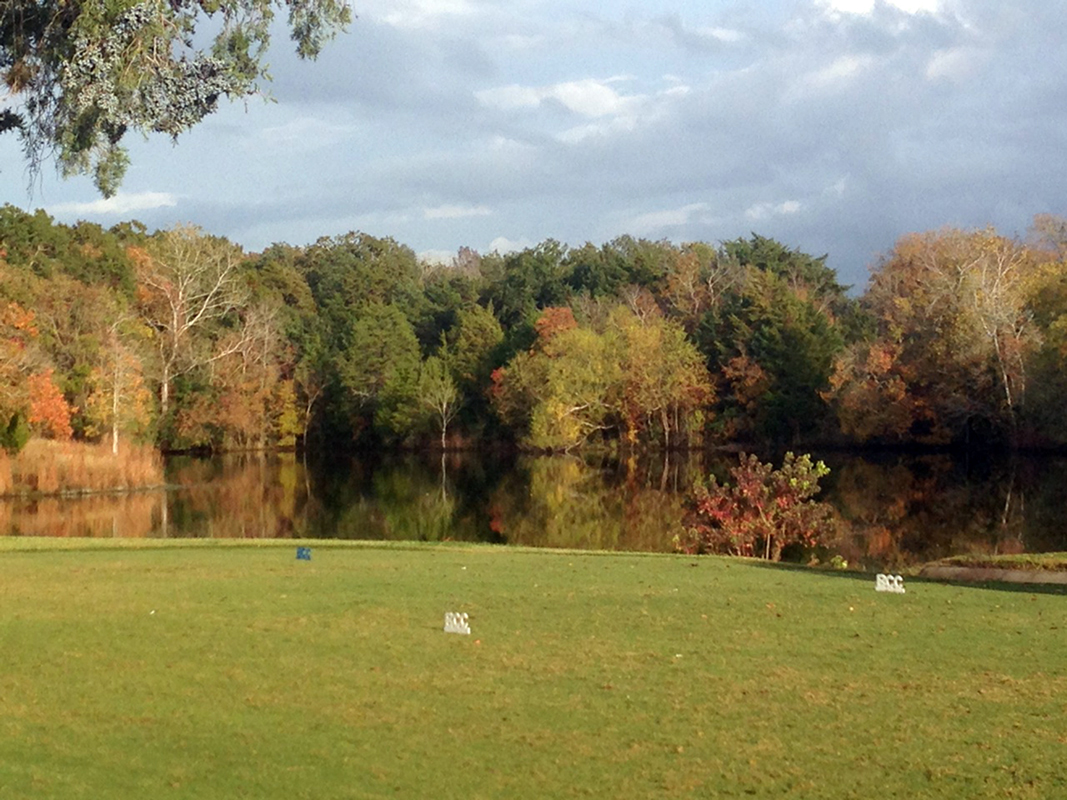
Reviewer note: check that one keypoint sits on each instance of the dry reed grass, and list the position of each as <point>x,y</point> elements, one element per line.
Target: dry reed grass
<point>51,467</point>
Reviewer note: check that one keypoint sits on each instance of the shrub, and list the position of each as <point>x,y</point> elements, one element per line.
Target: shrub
<point>761,513</point>
<point>15,434</point>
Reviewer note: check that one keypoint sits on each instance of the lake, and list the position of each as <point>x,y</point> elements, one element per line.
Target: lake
<point>901,509</point>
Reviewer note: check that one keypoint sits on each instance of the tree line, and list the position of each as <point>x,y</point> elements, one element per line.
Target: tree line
<point>183,339</point>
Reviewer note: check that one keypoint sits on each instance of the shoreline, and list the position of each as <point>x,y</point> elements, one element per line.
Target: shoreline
<point>991,574</point>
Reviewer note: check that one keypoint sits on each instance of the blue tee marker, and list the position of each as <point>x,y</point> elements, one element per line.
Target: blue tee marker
<point>303,554</point>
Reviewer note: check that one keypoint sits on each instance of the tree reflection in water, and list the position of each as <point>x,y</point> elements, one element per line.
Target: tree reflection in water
<point>896,510</point>
<point>567,502</point>
<point>907,510</point>
<point>131,515</point>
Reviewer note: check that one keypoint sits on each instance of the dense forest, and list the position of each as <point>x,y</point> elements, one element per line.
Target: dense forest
<point>185,340</point>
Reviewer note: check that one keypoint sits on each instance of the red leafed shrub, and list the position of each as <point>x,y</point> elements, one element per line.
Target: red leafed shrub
<point>763,511</point>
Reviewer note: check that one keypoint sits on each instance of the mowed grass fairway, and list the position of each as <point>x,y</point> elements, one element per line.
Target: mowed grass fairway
<point>236,671</point>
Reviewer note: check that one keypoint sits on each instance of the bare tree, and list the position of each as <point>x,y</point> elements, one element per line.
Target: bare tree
<point>996,297</point>
<point>120,398</point>
<point>190,280</point>
<point>437,393</point>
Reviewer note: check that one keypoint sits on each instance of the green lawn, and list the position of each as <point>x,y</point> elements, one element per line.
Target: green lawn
<point>237,671</point>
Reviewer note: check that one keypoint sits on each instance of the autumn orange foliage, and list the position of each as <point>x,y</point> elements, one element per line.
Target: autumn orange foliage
<point>49,411</point>
<point>554,321</point>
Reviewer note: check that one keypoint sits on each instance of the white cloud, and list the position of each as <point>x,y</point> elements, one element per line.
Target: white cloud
<point>867,6</point>
<point>118,205</point>
<point>836,189</point>
<point>761,211</point>
<point>839,71</point>
<point>502,244</point>
<point>850,6</point>
<point>520,42</point>
<point>657,221</point>
<point>509,146</point>
<point>917,6</point>
<point>580,133</point>
<point>306,133</point>
<point>508,98</point>
<point>456,212</point>
<point>728,35</point>
<point>587,97</point>
<point>607,110</point>
<point>954,64</point>
<point>418,13</point>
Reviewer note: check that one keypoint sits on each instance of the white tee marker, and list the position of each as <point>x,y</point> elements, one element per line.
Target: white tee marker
<point>456,622</point>
<point>889,583</point>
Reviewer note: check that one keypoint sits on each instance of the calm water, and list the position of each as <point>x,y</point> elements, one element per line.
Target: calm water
<point>901,510</point>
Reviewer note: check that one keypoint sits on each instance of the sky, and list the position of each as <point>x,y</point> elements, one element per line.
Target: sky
<point>834,126</point>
